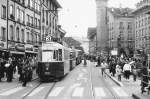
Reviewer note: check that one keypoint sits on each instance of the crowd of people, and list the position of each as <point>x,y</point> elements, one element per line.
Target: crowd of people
<point>22,66</point>
<point>125,67</point>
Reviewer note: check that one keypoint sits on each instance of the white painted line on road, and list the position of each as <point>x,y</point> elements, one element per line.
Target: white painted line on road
<point>11,91</point>
<point>36,91</point>
<point>99,92</point>
<point>78,92</point>
<point>80,76</point>
<point>25,94</point>
<point>56,91</point>
<point>120,92</point>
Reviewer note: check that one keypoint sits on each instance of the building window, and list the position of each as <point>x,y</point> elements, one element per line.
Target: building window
<point>28,19</point>
<point>11,35</point>
<point>22,16</point>
<point>28,3</point>
<point>3,32</point>
<point>32,37</point>
<point>31,3</point>
<point>18,12</point>
<point>31,21</point>
<point>43,15</point>
<point>35,37</point>
<point>38,7</point>
<point>3,12</point>
<point>17,34</point>
<point>39,22</point>
<point>27,36</point>
<point>11,10</point>
<point>36,22</point>
<point>22,32</point>
<point>46,17</point>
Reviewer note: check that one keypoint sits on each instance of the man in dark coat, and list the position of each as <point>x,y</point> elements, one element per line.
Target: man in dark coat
<point>2,68</point>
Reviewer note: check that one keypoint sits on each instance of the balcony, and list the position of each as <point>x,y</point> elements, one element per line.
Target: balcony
<point>143,3</point>
<point>20,3</point>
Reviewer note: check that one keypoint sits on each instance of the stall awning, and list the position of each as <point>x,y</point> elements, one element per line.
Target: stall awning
<point>15,52</point>
<point>31,52</point>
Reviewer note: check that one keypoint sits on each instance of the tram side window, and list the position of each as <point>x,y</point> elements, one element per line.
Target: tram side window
<point>66,54</point>
<point>55,55</point>
<point>60,54</point>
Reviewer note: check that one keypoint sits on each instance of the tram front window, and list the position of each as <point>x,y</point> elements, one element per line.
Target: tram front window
<point>47,56</point>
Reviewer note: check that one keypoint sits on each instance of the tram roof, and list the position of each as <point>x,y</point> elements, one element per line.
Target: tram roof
<point>52,46</point>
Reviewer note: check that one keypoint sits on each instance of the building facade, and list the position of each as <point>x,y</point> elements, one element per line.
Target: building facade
<point>3,27</point>
<point>102,34</point>
<point>91,35</point>
<point>49,18</point>
<point>142,27</point>
<point>25,25</point>
<point>121,30</point>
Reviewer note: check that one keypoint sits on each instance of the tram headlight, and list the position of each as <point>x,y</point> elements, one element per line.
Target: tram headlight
<point>47,66</point>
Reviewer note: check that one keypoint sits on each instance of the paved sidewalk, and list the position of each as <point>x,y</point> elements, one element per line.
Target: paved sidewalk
<point>16,77</point>
<point>132,87</point>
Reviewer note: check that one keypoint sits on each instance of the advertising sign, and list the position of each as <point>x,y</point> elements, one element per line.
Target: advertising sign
<point>114,52</point>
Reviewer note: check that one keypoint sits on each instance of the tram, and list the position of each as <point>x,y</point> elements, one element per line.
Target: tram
<point>78,56</point>
<point>54,61</point>
<point>72,58</point>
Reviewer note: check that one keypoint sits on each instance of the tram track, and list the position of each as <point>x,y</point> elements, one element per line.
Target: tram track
<point>106,86</point>
<point>50,90</point>
<point>37,86</point>
<point>4,90</point>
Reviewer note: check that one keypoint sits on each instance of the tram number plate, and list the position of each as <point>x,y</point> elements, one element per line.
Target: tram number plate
<point>47,73</point>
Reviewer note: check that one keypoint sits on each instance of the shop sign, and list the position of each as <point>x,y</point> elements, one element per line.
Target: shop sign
<point>1,44</point>
<point>20,47</point>
<point>29,48</point>
<point>12,48</point>
<point>36,49</point>
<point>114,52</point>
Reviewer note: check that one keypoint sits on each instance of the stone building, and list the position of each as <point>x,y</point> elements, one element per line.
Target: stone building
<point>25,24</point>
<point>3,27</point>
<point>102,34</point>
<point>49,18</point>
<point>121,30</point>
<point>92,41</point>
<point>142,27</point>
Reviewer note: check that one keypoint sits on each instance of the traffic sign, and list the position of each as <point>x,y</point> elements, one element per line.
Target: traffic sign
<point>48,38</point>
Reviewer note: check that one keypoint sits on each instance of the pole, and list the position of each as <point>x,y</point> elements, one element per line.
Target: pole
<point>7,23</point>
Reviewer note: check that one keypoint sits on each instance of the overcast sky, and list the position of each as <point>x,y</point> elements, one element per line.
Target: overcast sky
<point>77,15</point>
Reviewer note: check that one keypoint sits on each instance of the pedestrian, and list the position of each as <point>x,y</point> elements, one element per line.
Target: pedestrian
<point>85,61</point>
<point>127,70</point>
<point>118,71</point>
<point>98,61</point>
<point>103,66</point>
<point>26,73</point>
<point>134,72</point>
<point>20,67</point>
<point>113,68</point>
<point>1,69</point>
<point>9,70</point>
